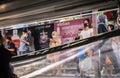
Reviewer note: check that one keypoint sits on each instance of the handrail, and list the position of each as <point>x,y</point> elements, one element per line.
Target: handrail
<point>67,46</point>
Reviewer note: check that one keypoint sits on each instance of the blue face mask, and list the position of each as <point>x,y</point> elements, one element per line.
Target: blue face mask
<point>79,34</point>
<point>106,22</point>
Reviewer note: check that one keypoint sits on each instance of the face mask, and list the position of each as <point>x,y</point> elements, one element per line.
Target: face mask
<point>106,21</point>
<point>78,34</point>
<point>53,36</point>
<point>86,25</point>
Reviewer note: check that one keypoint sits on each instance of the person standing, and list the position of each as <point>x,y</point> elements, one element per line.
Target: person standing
<point>54,57</point>
<point>86,33</point>
<point>81,56</point>
<point>5,57</point>
<point>44,40</point>
<point>24,43</point>
<point>115,43</point>
<point>88,30</point>
<point>15,38</point>
<point>36,36</point>
<point>30,40</point>
<point>10,46</point>
<point>105,46</point>
<point>102,24</point>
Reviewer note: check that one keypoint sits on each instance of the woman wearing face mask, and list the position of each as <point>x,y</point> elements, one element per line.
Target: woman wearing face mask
<point>88,30</point>
<point>86,33</point>
<point>54,57</point>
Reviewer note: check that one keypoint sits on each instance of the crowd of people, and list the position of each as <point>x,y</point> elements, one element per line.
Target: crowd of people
<point>109,52</point>
<point>107,48</point>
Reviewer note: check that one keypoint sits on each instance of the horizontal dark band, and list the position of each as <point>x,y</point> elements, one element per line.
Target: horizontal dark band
<point>67,46</point>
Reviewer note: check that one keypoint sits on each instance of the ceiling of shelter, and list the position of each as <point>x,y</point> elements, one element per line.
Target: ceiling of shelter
<point>21,11</point>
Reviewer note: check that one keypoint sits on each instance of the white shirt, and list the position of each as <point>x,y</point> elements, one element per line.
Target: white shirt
<point>86,33</point>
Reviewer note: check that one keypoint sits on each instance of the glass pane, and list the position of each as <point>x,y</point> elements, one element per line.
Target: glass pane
<point>94,60</point>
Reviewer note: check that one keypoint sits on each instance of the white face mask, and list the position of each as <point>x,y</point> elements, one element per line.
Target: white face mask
<point>53,36</point>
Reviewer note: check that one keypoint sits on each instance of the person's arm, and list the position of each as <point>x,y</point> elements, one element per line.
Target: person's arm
<point>51,43</point>
<point>12,48</point>
<point>59,42</point>
<point>26,42</point>
<point>81,37</point>
<point>91,32</point>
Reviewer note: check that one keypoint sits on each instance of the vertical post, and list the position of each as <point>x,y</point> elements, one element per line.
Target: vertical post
<point>94,21</point>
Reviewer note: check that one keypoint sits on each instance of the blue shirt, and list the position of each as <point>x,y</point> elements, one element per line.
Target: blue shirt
<point>81,55</point>
<point>23,46</point>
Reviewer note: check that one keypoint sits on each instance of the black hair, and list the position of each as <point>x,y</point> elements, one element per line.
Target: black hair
<point>88,24</point>
<point>9,38</point>
<point>25,31</point>
<point>88,20</point>
<point>111,26</point>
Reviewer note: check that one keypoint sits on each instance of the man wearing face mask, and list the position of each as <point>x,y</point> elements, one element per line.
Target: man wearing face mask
<point>102,23</point>
<point>24,48</point>
<point>86,33</point>
<point>88,30</point>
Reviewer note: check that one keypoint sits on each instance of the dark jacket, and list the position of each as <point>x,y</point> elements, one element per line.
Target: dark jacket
<point>102,28</point>
<point>4,63</point>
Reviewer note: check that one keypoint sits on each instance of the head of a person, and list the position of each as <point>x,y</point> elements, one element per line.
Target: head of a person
<point>24,31</point>
<point>8,39</point>
<point>79,32</point>
<point>54,34</point>
<point>87,23</point>
<point>110,27</point>
<point>15,32</point>
<point>90,52</point>
<point>102,19</point>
